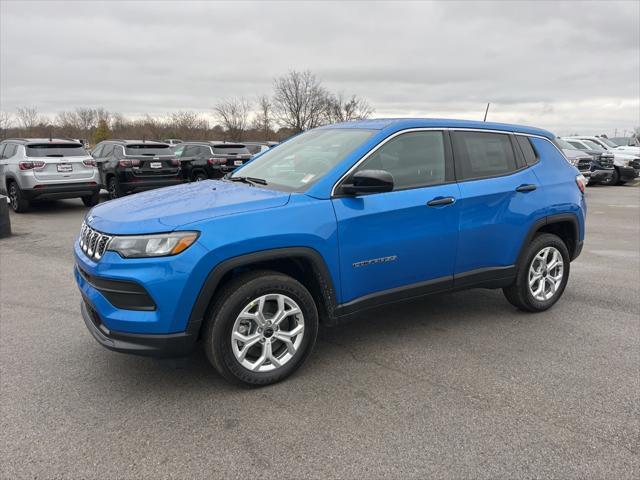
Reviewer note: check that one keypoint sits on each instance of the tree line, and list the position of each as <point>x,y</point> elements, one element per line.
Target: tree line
<point>298,102</point>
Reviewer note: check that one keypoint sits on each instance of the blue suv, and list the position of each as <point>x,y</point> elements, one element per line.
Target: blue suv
<point>336,220</point>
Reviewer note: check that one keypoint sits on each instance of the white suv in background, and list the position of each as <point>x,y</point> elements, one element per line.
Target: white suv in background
<point>47,169</point>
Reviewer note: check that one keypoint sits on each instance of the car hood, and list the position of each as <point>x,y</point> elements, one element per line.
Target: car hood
<point>572,154</point>
<point>166,209</point>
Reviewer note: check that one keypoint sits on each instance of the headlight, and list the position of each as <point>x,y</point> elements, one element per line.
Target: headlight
<point>158,245</point>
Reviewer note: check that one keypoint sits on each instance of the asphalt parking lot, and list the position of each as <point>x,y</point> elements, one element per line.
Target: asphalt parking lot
<point>454,386</point>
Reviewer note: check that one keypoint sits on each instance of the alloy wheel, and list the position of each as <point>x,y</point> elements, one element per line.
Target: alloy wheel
<point>545,273</point>
<point>13,196</point>
<point>267,333</point>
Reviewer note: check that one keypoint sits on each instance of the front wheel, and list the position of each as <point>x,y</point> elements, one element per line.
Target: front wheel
<point>261,329</point>
<point>199,177</point>
<point>542,274</point>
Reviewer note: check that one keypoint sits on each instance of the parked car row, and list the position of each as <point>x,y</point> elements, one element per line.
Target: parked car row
<point>601,160</point>
<point>34,169</point>
<point>44,169</point>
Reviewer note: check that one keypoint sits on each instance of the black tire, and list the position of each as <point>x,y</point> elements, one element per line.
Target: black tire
<point>113,187</point>
<point>18,203</point>
<point>91,200</point>
<point>200,176</point>
<point>615,178</point>
<point>519,294</point>
<point>228,304</point>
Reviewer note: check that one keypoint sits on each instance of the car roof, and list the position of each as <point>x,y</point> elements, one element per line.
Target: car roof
<point>26,141</point>
<point>396,124</point>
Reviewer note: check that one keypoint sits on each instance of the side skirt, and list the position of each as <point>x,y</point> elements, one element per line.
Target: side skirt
<point>494,277</point>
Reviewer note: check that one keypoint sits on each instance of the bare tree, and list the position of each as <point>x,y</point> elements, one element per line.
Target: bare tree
<point>341,110</point>
<point>299,100</point>
<point>102,115</point>
<point>263,121</point>
<point>5,123</point>
<point>28,118</point>
<point>233,115</point>
<point>187,125</point>
<point>86,118</point>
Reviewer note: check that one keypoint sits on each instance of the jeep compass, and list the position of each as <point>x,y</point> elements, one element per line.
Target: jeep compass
<point>334,221</point>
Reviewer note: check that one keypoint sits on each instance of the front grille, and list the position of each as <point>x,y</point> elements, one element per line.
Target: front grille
<point>606,162</point>
<point>584,164</point>
<point>92,242</point>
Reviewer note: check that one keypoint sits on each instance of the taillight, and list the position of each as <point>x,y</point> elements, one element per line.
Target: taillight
<point>217,161</point>
<point>30,165</point>
<point>89,163</point>
<point>129,163</point>
<point>581,182</point>
<point>175,162</point>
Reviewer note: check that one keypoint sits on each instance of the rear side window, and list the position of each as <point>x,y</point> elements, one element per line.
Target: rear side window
<point>55,150</point>
<point>9,150</point>
<point>97,152</point>
<point>414,160</point>
<point>107,150</point>
<point>230,149</point>
<point>480,155</point>
<point>530,154</point>
<point>145,149</point>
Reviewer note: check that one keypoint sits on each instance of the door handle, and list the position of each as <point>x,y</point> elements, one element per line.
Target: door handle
<point>527,187</point>
<point>441,201</point>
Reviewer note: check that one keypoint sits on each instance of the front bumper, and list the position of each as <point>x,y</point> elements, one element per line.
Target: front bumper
<point>57,192</point>
<point>142,185</point>
<point>601,175</point>
<point>627,173</point>
<point>163,346</point>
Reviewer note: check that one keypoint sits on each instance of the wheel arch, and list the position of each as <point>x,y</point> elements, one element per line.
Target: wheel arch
<point>302,263</point>
<point>564,225</point>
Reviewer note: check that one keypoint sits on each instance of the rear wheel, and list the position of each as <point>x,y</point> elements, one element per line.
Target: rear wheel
<point>262,328</point>
<point>542,274</point>
<point>19,204</point>
<point>113,187</point>
<point>91,200</point>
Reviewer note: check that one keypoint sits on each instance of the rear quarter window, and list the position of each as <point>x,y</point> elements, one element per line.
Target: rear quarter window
<point>530,154</point>
<point>55,150</point>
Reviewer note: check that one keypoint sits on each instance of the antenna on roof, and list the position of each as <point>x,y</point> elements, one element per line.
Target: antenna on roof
<point>485,112</point>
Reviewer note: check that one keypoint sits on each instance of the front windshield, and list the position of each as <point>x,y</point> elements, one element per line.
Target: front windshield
<point>608,142</point>
<point>305,159</point>
<point>593,145</point>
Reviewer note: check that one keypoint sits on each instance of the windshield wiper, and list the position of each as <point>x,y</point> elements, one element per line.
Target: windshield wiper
<point>249,180</point>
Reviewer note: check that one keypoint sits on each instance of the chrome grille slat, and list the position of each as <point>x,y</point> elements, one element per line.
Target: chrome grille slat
<point>92,242</point>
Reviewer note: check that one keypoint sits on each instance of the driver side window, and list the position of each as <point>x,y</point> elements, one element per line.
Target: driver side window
<point>415,159</point>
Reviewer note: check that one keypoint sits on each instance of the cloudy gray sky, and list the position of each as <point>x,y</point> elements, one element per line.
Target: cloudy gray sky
<point>569,67</point>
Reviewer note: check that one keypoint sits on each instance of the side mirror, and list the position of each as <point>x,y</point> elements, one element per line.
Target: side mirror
<point>368,181</point>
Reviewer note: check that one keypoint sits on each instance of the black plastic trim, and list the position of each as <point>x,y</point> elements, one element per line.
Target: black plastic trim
<point>549,220</point>
<point>393,295</point>
<point>321,273</point>
<point>172,345</point>
<point>489,277</point>
<point>126,295</point>
<point>71,190</point>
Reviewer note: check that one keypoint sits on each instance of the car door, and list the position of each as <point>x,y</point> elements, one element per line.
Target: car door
<point>500,199</point>
<point>404,239</point>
